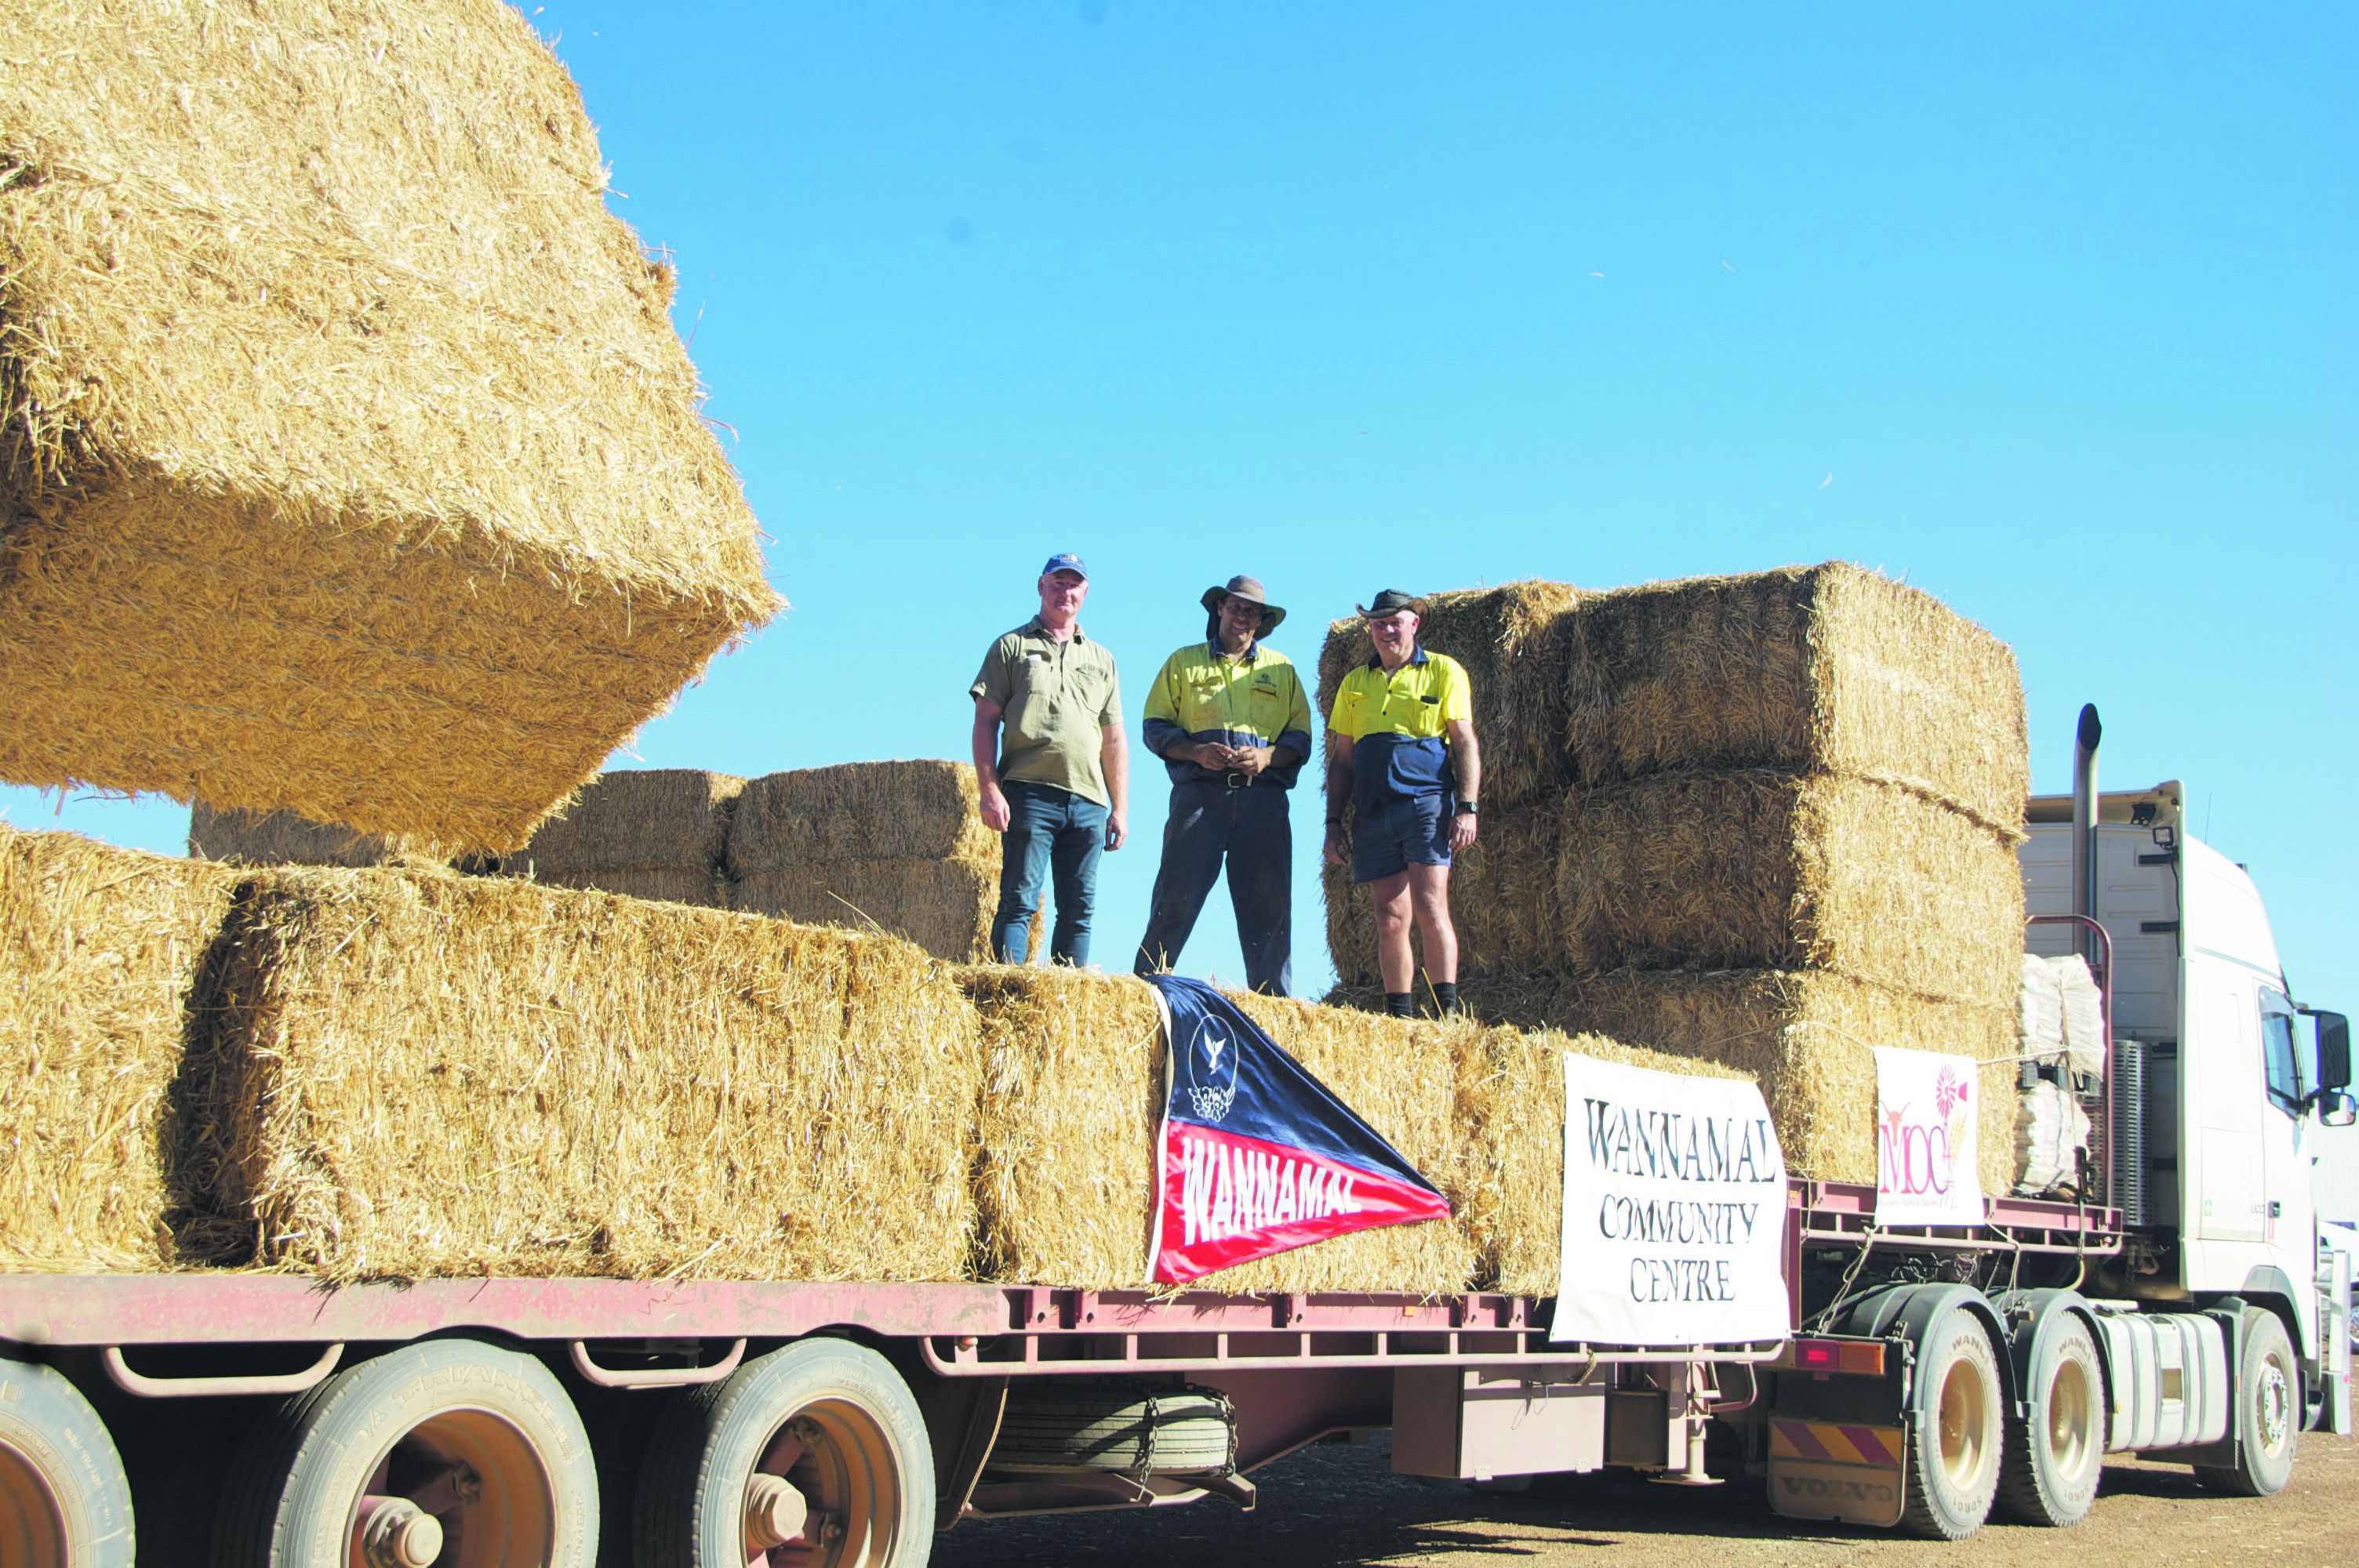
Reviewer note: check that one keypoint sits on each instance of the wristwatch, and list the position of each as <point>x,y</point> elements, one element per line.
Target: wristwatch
<point>1469,807</point>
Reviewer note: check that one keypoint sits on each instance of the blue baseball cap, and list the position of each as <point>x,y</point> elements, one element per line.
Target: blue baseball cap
<point>1066,561</point>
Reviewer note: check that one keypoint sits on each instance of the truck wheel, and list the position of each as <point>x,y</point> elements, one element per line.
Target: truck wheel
<point>447,1453</point>
<point>814,1455</point>
<point>1127,1425</point>
<point>64,1498</point>
<point>2268,1412</point>
<point>1955,1418</point>
<point>2048,1474</point>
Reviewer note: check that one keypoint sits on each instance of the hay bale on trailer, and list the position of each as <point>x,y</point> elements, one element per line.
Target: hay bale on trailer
<point>414,1074</point>
<point>1806,669</point>
<point>898,846</point>
<point>1505,900</point>
<point>349,463</point>
<point>1072,1095</point>
<point>1515,641</point>
<point>100,949</point>
<point>1804,1035</point>
<point>1758,870</point>
<point>1511,1110</point>
<point>286,838</point>
<point>656,833</point>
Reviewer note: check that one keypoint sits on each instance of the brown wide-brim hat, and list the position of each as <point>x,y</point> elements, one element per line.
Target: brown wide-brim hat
<point>1248,589</point>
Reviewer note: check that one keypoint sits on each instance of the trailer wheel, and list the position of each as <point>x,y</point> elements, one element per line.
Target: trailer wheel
<point>2049,1474</point>
<point>2268,1412</point>
<point>1955,1418</point>
<point>64,1498</point>
<point>447,1453</point>
<point>814,1455</point>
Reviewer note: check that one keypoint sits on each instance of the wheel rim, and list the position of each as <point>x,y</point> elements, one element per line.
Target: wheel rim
<point>464,1488</point>
<point>2072,1419</point>
<point>32,1525</point>
<point>2276,1404</point>
<point>833,1463</point>
<point>1963,1420</point>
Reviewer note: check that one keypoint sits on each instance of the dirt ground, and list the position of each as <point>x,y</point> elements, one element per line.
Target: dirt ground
<point>1334,1507</point>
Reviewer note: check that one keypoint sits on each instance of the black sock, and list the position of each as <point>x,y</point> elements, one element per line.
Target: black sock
<point>1401,1004</point>
<point>1445,997</point>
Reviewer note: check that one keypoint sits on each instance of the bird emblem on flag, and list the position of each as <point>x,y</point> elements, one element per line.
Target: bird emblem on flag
<point>1255,1155</point>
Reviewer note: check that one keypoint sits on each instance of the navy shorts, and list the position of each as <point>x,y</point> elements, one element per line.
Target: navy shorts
<point>1405,831</point>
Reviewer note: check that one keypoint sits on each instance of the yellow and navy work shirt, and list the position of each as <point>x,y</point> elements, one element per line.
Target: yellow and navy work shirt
<point>1398,725</point>
<point>1253,701</point>
<point>1054,701</point>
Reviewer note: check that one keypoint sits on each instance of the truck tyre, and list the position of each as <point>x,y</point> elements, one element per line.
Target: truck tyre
<point>815,1455</point>
<point>64,1498</point>
<point>2048,1474</point>
<point>1955,1418</point>
<point>1129,1427</point>
<point>2268,1414</point>
<point>450,1451</point>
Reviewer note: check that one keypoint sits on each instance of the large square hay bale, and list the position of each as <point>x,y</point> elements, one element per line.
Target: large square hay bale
<point>1504,901</point>
<point>349,463</point>
<point>1515,641</point>
<point>1806,1037</point>
<point>897,845</point>
<point>1758,870</point>
<point>1511,1106</point>
<point>1072,1095</point>
<point>657,833</point>
<point>1805,669</point>
<point>100,949</point>
<point>419,1075</point>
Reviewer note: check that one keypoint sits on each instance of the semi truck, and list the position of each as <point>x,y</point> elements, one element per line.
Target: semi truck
<point>2177,1305</point>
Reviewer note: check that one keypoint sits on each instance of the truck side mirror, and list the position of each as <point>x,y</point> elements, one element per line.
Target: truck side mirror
<point>2337,1108</point>
<point>2333,1051</point>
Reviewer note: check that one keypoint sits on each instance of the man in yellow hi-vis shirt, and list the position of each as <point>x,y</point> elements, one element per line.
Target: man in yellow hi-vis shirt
<point>1229,720</point>
<point>1401,750</point>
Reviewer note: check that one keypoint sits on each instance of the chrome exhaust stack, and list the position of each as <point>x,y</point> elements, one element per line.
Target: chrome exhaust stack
<point>2084,824</point>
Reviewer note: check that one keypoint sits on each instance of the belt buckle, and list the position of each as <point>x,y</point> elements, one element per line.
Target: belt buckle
<point>1237,780</point>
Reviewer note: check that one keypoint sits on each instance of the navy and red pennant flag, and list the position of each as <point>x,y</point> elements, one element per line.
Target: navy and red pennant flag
<point>1256,1156</point>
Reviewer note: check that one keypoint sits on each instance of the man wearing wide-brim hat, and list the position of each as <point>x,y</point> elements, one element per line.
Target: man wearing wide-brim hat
<point>1228,717</point>
<point>1401,755</point>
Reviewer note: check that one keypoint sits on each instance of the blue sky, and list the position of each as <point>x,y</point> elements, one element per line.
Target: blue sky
<point>2047,309</point>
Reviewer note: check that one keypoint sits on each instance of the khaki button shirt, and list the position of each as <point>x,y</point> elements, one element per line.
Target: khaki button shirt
<point>1055,699</point>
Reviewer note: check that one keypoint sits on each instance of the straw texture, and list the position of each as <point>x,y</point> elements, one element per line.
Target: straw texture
<point>657,833</point>
<point>349,463</point>
<point>100,949</point>
<point>1515,641</point>
<point>1805,669</point>
<point>1752,869</point>
<point>415,1075</point>
<point>285,839</point>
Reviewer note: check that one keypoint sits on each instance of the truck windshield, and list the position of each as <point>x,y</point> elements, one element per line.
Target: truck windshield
<point>2279,1055</point>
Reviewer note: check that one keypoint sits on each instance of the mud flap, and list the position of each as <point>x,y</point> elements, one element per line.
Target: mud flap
<point>1824,1469</point>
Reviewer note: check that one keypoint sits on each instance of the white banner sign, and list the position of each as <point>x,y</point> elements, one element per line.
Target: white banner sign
<point>1928,1104</point>
<point>1674,1209</point>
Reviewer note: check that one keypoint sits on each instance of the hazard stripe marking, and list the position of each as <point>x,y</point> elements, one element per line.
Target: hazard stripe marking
<point>1875,1446</point>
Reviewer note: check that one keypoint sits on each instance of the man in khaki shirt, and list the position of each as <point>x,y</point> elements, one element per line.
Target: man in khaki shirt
<point>1052,765</point>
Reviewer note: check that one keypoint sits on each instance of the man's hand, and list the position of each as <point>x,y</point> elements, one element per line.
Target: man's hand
<point>1339,845</point>
<point>1213,757</point>
<point>1462,829</point>
<point>994,807</point>
<point>1117,829</point>
<point>1249,760</point>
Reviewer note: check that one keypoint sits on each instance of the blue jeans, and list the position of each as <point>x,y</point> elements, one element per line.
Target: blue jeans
<point>1047,828</point>
<point>1249,830</point>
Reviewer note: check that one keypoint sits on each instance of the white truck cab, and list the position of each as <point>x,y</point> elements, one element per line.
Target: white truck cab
<point>2220,1085</point>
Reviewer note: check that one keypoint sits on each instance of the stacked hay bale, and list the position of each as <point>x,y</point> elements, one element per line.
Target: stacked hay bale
<point>898,847</point>
<point>100,949</point>
<point>658,833</point>
<point>349,463</point>
<point>286,838</point>
<point>412,1074</point>
<point>1515,641</point>
<point>1788,837</point>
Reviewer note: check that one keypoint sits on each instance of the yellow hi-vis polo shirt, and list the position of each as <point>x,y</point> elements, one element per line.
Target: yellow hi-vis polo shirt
<point>1398,725</point>
<point>1253,701</point>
